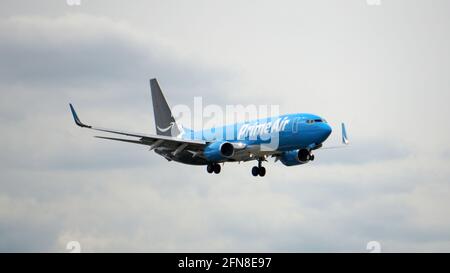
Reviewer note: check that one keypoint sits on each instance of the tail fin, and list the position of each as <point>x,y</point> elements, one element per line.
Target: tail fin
<point>164,121</point>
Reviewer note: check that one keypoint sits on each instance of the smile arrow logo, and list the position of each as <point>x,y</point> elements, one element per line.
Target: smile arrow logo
<point>167,128</point>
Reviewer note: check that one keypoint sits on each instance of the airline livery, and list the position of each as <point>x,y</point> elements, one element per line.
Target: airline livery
<point>288,138</point>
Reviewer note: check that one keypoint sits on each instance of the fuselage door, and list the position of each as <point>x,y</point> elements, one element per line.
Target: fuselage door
<point>296,125</point>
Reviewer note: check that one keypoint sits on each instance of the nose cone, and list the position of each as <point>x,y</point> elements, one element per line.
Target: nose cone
<point>325,131</point>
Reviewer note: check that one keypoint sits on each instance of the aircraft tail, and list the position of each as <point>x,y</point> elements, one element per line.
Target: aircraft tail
<point>164,121</point>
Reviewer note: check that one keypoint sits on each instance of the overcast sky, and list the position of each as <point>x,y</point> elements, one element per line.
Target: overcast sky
<point>383,69</point>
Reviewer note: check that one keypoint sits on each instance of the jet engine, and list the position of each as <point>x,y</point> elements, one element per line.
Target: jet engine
<point>219,150</point>
<point>296,157</point>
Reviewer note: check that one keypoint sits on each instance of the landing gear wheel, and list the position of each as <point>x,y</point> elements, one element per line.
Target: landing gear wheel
<point>216,168</point>
<point>255,171</point>
<point>312,158</point>
<point>259,170</point>
<point>210,168</point>
<point>262,171</point>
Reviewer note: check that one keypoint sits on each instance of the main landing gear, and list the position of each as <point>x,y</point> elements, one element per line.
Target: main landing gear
<point>213,168</point>
<point>259,170</point>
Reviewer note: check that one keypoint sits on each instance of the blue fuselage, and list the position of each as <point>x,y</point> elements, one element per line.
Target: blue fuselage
<point>284,133</point>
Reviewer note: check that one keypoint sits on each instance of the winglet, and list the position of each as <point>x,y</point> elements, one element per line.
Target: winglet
<point>76,119</point>
<point>344,135</point>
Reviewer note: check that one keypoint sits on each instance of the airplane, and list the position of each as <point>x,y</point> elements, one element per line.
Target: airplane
<point>296,136</point>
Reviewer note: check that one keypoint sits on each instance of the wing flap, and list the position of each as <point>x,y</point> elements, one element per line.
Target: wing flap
<point>123,140</point>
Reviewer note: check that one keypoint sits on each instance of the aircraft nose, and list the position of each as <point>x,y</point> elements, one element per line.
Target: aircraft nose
<point>326,131</point>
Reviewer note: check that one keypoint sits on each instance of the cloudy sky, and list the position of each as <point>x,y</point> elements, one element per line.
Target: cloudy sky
<point>383,69</point>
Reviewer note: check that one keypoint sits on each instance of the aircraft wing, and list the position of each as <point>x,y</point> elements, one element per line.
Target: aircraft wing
<point>154,141</point>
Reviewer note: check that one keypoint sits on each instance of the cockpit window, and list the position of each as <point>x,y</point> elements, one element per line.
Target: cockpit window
<point>311,121</point>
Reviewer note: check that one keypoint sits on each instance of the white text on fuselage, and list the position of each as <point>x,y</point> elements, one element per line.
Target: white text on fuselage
<point>269,128</point>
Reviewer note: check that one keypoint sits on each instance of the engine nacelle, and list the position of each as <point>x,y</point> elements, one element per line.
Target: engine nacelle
<point>295,157</point>
<point>219,150</point>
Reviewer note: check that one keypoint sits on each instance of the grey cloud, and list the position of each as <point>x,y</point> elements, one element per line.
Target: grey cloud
<point>88,52</point>
<point>137,211</point>
<point>49,62</point>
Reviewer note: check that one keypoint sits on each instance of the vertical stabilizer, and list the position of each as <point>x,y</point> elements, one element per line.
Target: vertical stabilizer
<point>164,121</point>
